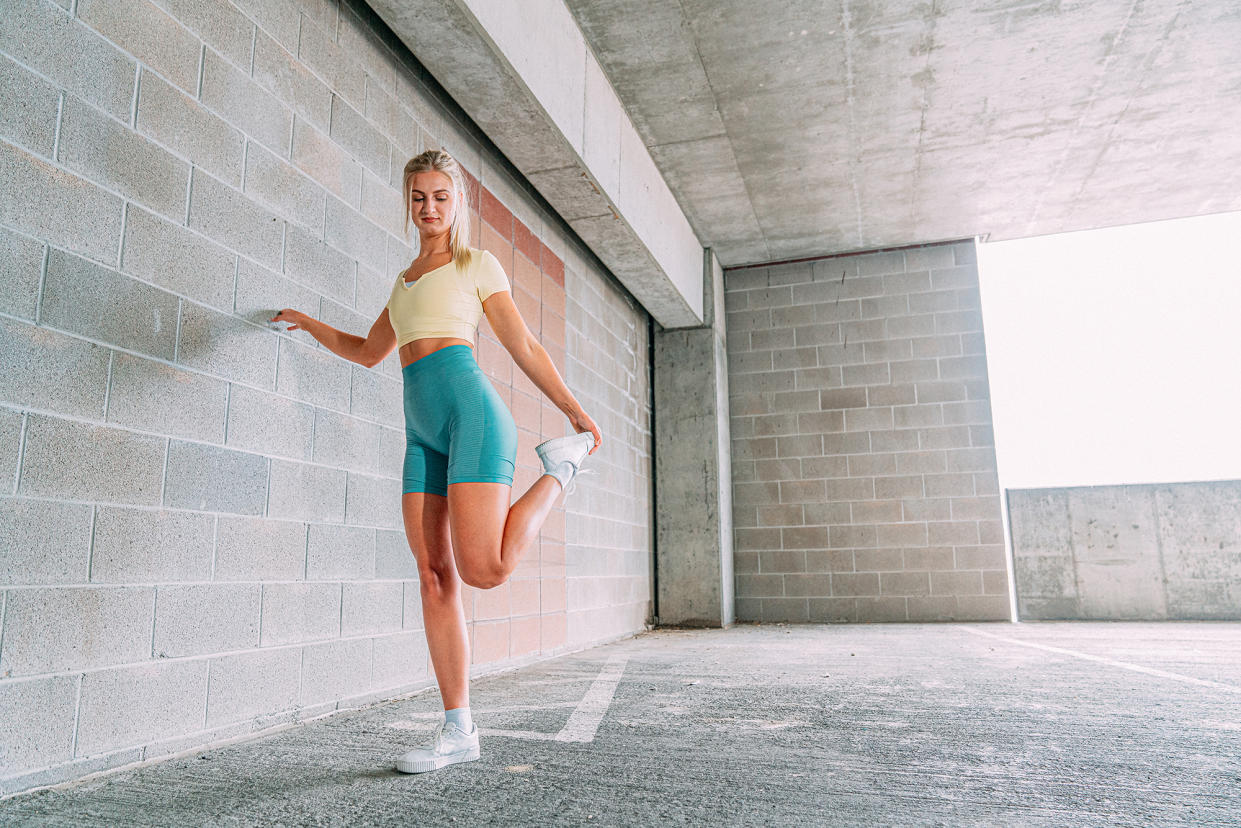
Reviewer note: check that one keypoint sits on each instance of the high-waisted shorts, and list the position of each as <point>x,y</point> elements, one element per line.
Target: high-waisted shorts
<point>457,429</point>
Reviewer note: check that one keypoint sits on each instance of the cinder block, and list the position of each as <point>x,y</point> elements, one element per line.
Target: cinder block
<point>284,190</point>
<point>971,459</point>
<point>319,267</point>
<point>228,217</point>
<point>364,142</point>
<point>346,442</point>
<point>787,610</point>
<point>217,22</point>
<point>244,104</point>
<point>915,281</point>
<point>329,61</point>
<point>259,549</point>
<point>46,709</point>
<point>928,258</point>
<point>139,545</point>
<point>371,608</point>
<point>360,39</point>
<point>11,423</point>
<point>373,501</point>
<point>253,685</point>
<point>222,345</point>
<point>110,153</point>
<point>348,320</point>
<point>168,255</point>
<point>904,583</point>
<point>36,363</point>
<point>393,557</point>
<point>45,542</point>
<point>340,552</point>
<point>335,670</point>
<point>21,270</point>
<point>868,419</point>
<point>290,81</point>
<point>141,317</point>
<point>59,47</point>
<point>268,423</point>
<point>312,374</point>
<point>206,618</point>
<point>860,536</point>
<point>215,479</point>
<point>384,206</point>
<point>148,34</point>
<point>28,111</point>
<point>300,491</point>
<point>300,612</point>
<point>75,628</point>
<point>261,293</point>
<point>377,397</point>
<point>187,128</point>
<point>278,18</point>
<point>349,231</point>
<point>399,660</point>
<point>136,705</point>
<point>317,155</point>
<point>152,396</point>
<point>76,461</point>
<point>57,206</point>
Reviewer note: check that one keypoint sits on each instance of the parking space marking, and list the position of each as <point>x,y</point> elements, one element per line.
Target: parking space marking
<point>1124,665</point>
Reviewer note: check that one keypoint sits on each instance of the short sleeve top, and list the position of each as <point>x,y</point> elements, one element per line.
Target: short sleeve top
<point>445,301</point>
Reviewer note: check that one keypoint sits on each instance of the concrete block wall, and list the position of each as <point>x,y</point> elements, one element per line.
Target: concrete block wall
<point>1139,552</point>
<point>609,564</point>
<point>200,531</point>
<point>863,456</point>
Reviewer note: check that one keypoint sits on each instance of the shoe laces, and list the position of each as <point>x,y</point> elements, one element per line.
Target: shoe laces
<point>573,481</point>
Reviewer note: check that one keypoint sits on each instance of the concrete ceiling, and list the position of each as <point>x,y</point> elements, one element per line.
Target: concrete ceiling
<point>796,129</point>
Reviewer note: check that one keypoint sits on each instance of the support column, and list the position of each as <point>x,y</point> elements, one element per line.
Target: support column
<point>693,470</point>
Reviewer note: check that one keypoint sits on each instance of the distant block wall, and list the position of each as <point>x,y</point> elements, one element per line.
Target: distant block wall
<point>1139,552</point>
<point>863,456</point>
<point>200,530</point>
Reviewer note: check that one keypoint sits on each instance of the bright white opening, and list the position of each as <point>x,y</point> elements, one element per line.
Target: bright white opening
<point>1114,355</point>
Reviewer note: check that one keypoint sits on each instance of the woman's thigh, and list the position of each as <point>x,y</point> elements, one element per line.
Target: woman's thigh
<point>429,534</point>
<point>477,514</point>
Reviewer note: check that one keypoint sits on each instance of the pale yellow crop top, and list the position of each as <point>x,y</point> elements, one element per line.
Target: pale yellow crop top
<point>445,301</point>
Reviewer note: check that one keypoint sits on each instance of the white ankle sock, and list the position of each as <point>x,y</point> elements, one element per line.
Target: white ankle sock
<point>461,716</point>
<point>563,472</point>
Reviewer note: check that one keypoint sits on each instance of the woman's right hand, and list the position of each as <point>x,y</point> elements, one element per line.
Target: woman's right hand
<point>295,318</point>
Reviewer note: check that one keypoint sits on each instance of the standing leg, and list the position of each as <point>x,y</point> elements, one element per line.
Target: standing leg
<point>427,529</point>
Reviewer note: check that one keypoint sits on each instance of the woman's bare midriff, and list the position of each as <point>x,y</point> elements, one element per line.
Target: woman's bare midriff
<point>412,351</point>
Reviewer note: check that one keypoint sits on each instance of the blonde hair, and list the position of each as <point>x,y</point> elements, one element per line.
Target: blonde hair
<point>436,160</point>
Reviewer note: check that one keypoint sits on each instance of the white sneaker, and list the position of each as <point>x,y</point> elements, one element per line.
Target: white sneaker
<point>559,449</point>
<point>448,745</point>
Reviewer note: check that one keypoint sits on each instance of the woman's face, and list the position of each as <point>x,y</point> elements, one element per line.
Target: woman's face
<point>431,202</point>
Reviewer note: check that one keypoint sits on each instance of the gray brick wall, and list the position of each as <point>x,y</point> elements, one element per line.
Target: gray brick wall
<point>608,557</point>
<point>200,533</point>
<point>863,460</point>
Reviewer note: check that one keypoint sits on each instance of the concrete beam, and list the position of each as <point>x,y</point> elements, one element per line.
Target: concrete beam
<point>524,73</point>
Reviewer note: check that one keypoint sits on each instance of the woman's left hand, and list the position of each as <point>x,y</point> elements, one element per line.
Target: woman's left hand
<point>582,422</point>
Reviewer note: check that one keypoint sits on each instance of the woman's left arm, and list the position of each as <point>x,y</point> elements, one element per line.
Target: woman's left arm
<point>531,357</point>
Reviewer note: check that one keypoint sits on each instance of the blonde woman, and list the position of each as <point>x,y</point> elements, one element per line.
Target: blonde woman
<point>461,440</point>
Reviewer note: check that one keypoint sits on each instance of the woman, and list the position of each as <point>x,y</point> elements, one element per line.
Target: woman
<point>461,440</point>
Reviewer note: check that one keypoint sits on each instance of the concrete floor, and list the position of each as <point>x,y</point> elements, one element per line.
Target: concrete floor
<point>982,724</point>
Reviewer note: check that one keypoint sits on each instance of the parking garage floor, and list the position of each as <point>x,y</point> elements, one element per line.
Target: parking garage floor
<point>953,724</point>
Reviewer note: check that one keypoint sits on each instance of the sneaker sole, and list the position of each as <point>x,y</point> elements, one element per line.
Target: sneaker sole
<point>425,765</point>
<point>584,437</point>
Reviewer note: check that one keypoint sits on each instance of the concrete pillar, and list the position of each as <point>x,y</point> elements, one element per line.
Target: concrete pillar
<point>693,469</point>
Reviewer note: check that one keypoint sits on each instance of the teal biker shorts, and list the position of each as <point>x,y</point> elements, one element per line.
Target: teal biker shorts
<point>457,429</point>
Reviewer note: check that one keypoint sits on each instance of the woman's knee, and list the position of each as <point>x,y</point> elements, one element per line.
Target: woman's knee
<point>483,574</point>
<point>438,583</point>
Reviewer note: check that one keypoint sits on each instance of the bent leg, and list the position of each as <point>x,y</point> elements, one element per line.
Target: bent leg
<point>427,530</point>
<point>489,538</point>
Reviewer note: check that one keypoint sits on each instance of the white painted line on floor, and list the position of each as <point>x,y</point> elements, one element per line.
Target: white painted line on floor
<point>1124,665</point>
<point>584,721</point>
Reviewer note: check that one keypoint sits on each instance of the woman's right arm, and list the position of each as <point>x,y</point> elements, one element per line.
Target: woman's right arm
<point>368,351</point>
